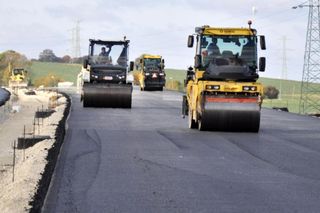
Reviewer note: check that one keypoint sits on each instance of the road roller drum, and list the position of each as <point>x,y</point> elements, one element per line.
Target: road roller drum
<point>107,95</point>
<point>230,114</point>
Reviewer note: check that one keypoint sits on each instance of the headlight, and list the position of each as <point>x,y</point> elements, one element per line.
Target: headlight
<point>246,88</point>
<point>214,87</point>
<point>249,88</point>
<point>147,74</point>
<point>162,74</point>
<point>120,76</point>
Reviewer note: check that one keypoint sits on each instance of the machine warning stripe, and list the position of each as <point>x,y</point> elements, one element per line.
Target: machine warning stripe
<point>232,100</point>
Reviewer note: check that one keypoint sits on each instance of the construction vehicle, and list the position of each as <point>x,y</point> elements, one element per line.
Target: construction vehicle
<point>151,73</point>
<point>222,92</point>
<point>18,78</point>
<point>103,76</point>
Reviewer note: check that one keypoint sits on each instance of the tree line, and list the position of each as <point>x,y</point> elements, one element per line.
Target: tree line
<point>47,55</point>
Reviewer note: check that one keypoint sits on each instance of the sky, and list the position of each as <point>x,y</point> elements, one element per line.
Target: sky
<point>155,27</point>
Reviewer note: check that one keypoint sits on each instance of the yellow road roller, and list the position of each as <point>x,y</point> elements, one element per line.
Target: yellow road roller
<point>151,74</point>
<point>222,92</point>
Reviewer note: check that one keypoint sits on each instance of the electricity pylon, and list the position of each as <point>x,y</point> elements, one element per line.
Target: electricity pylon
<point>310,85</point>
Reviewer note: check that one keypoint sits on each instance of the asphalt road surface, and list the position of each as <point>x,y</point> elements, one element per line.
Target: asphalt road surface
<point>145,159</point>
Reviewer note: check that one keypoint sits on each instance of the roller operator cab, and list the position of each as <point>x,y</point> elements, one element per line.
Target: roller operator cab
<point>151,74</point>
<point>104,75</point>
<point>221,90</point>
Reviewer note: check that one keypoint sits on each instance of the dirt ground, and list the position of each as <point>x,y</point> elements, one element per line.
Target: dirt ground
<point>16,193</point>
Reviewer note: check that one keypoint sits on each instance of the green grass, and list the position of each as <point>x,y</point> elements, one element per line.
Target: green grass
<point>289,96</point>
<point>67,72</point>
<point>174,74</point>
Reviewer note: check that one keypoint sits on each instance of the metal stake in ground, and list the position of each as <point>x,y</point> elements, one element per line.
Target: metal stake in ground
<point>42,113</point>
<point>14,159</point>
<point>34,126</point>
<point>38,121</point>
<point>24,142</point>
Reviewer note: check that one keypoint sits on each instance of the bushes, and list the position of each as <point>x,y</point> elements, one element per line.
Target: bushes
<point>49,80</point>
<point>174,85</point>
<point>271,92</point>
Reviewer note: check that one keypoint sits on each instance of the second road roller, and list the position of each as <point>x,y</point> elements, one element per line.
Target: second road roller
<point>104,75</point>
<point>222,92</point>
<point>151,74</point>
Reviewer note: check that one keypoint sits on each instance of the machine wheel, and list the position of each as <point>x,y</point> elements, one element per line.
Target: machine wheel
<point>201,127</point>
<point>184,108</point>
<point>192,123</point>
<point>160,88</point>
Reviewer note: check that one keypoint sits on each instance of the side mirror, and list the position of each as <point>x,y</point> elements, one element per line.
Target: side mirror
<point>131,65</point>
<point>262,64</point>
<point>197,61</point>
<point>85,63</point>
<point>190,41</point>
<point>162,64</point>
<point>262,42</point>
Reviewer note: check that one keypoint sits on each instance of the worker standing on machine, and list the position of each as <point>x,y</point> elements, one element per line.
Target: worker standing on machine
<point>104,52</point>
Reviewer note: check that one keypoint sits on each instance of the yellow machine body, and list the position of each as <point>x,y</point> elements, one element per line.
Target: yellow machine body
<point>151,75</point>
<point>223,94</point>
<point>18,78</point>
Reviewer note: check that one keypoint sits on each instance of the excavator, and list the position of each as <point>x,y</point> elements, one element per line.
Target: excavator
<point>151,73</point>
<point>222,92</point>
<point>103,76</point>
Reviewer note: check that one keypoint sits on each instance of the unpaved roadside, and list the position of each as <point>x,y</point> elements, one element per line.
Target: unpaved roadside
<point>18,112</point>
<point>15,196</point>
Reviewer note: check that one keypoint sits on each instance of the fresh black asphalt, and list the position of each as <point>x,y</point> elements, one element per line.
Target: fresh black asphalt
<point>145,159</point>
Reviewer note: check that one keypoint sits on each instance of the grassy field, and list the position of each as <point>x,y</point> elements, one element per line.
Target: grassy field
<point>67,72</point>
<point>289,97</point>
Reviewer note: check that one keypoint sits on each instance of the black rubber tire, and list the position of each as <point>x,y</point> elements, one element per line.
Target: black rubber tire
<point>201,125</point>
<point>191,123</point>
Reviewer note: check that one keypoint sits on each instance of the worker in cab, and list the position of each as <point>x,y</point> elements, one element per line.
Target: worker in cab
<point>210,52</point>
<point>106,59</point>
<point>104,52</point>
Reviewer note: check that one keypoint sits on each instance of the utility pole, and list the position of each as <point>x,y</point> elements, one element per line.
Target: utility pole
<point>310,89</point>
<point>75,41</point>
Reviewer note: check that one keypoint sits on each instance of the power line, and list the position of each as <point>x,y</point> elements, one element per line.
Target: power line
<point>310,89</point>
